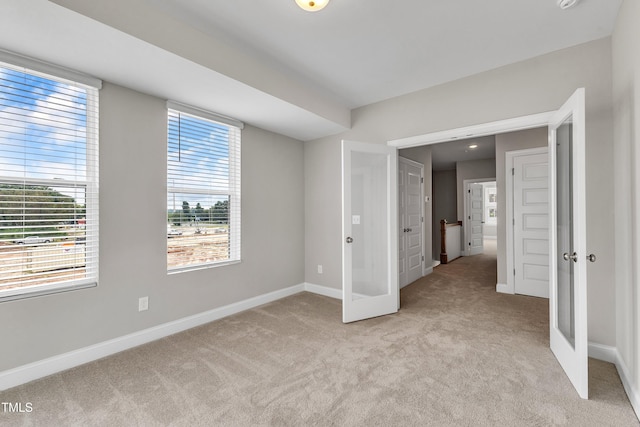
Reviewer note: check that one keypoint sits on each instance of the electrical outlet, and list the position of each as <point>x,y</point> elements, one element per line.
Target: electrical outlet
<point>319,268</point>
<point>143,304</point>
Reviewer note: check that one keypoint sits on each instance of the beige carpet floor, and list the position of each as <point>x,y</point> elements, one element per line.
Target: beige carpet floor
<point>456,354</point>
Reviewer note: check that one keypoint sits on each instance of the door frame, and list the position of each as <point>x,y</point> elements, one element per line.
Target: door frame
<point>465,210</point>
<point>510,156</point>
<point>422,232</point>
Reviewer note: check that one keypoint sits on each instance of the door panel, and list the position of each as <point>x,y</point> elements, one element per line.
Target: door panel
<point>410,218</point>
<point>568,257</point>
<point>370,267</point>
<point>531,224</point>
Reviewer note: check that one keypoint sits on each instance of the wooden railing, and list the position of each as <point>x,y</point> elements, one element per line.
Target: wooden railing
<point>450,246</point>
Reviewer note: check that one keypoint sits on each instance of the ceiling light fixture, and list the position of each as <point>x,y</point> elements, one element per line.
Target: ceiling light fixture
<point>566,4</point>
<point>472,146</point>
<point>312,5</point>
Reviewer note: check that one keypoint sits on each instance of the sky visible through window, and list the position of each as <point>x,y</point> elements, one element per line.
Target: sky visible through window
<point>198,165</point>
<point>43,128</point>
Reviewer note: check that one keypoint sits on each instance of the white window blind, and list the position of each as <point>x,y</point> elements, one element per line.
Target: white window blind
<point>48,183</point>
<point>203,197</point>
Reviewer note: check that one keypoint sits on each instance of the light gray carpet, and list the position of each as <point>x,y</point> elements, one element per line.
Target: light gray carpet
<point>456,354</point>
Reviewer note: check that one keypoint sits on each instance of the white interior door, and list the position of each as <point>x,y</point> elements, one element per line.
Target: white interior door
<point>567,248</point>
<point>369,231</point>
<point>474,223</point>
<point>531,223</point>
<point>410,234</point>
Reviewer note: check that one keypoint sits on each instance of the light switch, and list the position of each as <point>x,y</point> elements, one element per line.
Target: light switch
<point>355,219</point>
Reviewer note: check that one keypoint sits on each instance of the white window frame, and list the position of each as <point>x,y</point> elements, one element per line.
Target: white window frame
<point>92,87</point>
<point>234,193</point>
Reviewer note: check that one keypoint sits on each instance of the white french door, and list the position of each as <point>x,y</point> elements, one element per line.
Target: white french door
<point>567,248</point>
<point>369,231</point>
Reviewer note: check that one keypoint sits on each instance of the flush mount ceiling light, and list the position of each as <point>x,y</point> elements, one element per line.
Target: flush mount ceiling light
<point>312,5</point>
<point>472,146</point>
<point>566,4</point>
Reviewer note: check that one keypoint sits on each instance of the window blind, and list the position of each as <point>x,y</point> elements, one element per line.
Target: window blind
<point>203,197</point>
<point>48,182</point>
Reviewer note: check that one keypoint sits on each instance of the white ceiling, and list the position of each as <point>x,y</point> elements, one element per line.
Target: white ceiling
<point>272,65</point>
<point>365,51</point>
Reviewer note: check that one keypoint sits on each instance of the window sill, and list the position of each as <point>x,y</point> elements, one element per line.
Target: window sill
<point>177,270</point>
<point>42,290</point>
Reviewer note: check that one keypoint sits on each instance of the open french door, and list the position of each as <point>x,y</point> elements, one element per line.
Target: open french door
<point>567,248</point>
<point>369,231</point>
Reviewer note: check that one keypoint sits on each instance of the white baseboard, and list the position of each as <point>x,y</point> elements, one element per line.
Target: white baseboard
<point>428,271</point>
<point>323,290</point>
<point>603,352</point>
<point>434,263</point>
<point>627,383</point>
<point>503,288</point>
<point>611,354</point>
<point>42,368</point>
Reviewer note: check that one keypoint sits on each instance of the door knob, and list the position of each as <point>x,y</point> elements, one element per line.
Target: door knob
<point>573,256</point>
<point>591,257</point>
<point>349,240</point>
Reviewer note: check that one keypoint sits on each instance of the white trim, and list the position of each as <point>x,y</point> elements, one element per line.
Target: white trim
<point>603,352</point>
<point>625,376</point>
<point>204,114</point>
<point>323,290</point>
<point>504,288</point>
<point>434,263</point>
<point>509,159</point>
<point>491,128</point>
<point>15,60</point>
<point>428,270</point>
<point>32,371</point>
<point>611,354</point>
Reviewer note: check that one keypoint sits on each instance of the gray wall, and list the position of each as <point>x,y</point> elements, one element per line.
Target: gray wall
<point>471,169</point>
<point>445,196</point>
<point>510,142</point>
<point>528,87</point>
<point>626,94</point>
<point>133,238</point>
<point>423,155</point>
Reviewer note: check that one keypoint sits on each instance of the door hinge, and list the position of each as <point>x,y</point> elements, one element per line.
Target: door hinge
<point>513,221</point>
<point>423,257</point>
<point>422,219</point>
<point>469,216</point>
<point>469,243</point>
<point>514,271</point>
<point>513,171</point>
<point>422,180</point>
<point>469,191</point>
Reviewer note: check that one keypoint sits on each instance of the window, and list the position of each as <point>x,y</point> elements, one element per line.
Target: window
<point>48,181</point>
<point>203,189</point>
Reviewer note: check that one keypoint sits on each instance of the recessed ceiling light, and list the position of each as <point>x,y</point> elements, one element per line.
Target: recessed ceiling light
<point>566,4</point>
<point>312,5</point>
<point>472,146</point>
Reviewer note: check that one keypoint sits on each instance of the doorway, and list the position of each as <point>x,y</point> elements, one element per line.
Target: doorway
<point>478,202</point>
